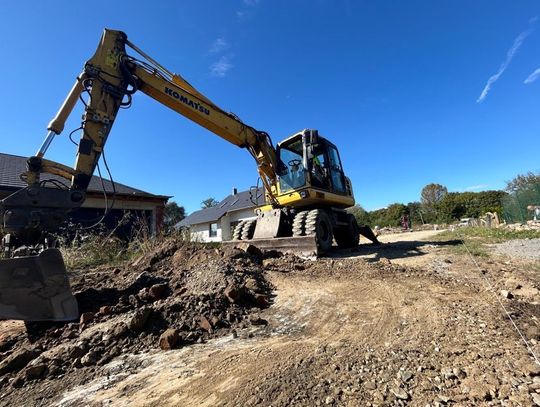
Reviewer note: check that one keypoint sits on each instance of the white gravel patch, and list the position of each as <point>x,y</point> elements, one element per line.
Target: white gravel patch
<point>520,248</point>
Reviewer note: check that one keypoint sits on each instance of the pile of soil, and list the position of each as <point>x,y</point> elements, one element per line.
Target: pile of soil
<point>175,296</point>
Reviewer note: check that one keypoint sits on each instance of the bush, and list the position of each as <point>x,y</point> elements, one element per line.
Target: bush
<point>362,216</point>
<point>456,205</point>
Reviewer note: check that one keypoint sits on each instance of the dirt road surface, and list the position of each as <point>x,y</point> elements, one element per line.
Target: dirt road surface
<point>407,323</point>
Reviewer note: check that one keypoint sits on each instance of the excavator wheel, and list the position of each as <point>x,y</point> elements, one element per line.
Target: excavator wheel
<point>248,229</point>
<point>318,223</point>
<point>299,224</point>
<point>348,236</point>
<point>244,230</point>
<point>237,233</point>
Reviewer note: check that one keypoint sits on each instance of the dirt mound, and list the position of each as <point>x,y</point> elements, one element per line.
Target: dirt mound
<point>177,295</point>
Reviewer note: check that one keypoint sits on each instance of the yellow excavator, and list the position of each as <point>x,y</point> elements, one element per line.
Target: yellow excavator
<point>306,190</point>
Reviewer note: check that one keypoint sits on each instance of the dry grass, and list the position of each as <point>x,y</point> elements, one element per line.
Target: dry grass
<point>98,249</point>
<point>100,246</point>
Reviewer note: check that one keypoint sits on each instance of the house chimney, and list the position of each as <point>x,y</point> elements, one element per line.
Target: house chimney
<point>234,191</point>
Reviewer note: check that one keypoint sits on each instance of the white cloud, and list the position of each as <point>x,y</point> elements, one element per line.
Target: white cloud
<point>247,11</point>
<point>476,187</point>
<point>532,77</point>
<point>243,14</point>
<point>221,67</point>
<point>509,56</point>
<point>218,45</point>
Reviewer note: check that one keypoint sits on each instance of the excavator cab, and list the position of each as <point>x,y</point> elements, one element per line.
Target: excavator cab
<point>312,194</point>
<point>307,160</point>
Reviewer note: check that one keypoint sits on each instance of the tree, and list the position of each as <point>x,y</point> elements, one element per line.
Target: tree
<point>523,182</point>
<point>173,214</point>
<point>209,202</point>
<point>416,216</point>
<point>452,207</point>
<point>456,205</point>
<point>524,192</point>
<point>361,215</point>
<point>390,216</point>
<point>393,214</point>
<point>431,194</point>
<point>491,201</point>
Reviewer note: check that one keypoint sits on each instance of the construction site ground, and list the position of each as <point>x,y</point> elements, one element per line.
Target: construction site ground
<point>411,322</point>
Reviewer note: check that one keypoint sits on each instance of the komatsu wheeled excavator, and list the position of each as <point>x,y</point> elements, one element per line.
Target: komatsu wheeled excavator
<point>306,190</point>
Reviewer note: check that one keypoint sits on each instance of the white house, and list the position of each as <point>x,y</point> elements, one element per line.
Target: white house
<point>217,223</point>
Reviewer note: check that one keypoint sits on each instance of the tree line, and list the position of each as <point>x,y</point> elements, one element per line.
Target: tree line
<point>437,205</point>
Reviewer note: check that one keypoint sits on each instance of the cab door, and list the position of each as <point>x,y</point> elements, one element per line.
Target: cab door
<point>336,170</point>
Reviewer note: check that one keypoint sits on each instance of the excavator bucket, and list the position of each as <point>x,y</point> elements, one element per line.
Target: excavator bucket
<point>36,288</point>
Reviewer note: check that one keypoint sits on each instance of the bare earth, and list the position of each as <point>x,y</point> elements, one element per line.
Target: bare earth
<point>345,334</point>
<point>406,323</point>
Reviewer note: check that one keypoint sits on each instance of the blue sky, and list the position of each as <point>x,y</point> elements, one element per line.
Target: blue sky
<point>412,92</point>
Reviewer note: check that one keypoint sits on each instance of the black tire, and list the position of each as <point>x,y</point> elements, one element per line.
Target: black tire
<point>237,233</point>
<point>348,236</point>
<point>318,224</point>
<point>299,224</point>
<point>249,229</point>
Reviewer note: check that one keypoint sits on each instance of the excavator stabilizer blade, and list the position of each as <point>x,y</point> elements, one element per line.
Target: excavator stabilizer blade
<point>36,288</point>
<point>301,246</point>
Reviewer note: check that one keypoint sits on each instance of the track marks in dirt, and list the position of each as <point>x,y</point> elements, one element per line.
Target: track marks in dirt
<point>362,307</point>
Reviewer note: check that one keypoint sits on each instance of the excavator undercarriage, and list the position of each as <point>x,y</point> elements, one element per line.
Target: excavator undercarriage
<point>305,233</point>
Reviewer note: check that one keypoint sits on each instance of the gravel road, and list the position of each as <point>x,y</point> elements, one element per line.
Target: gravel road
<point>520,248</point>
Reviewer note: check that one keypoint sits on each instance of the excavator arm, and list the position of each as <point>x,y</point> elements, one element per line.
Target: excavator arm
<point>30,215</point>
<point>108,81</point>
<point>111,76</point>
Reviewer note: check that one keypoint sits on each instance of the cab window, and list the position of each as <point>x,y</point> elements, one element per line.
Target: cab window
<point>336,171</point>
<point>291,171</point>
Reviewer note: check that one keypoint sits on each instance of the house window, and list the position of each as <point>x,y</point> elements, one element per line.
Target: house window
<point>213,230</point>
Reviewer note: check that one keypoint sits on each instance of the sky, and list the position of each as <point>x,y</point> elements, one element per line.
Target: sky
<point>411,92</point>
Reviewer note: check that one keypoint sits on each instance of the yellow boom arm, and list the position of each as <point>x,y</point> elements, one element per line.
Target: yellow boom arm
<point>110,77</point>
